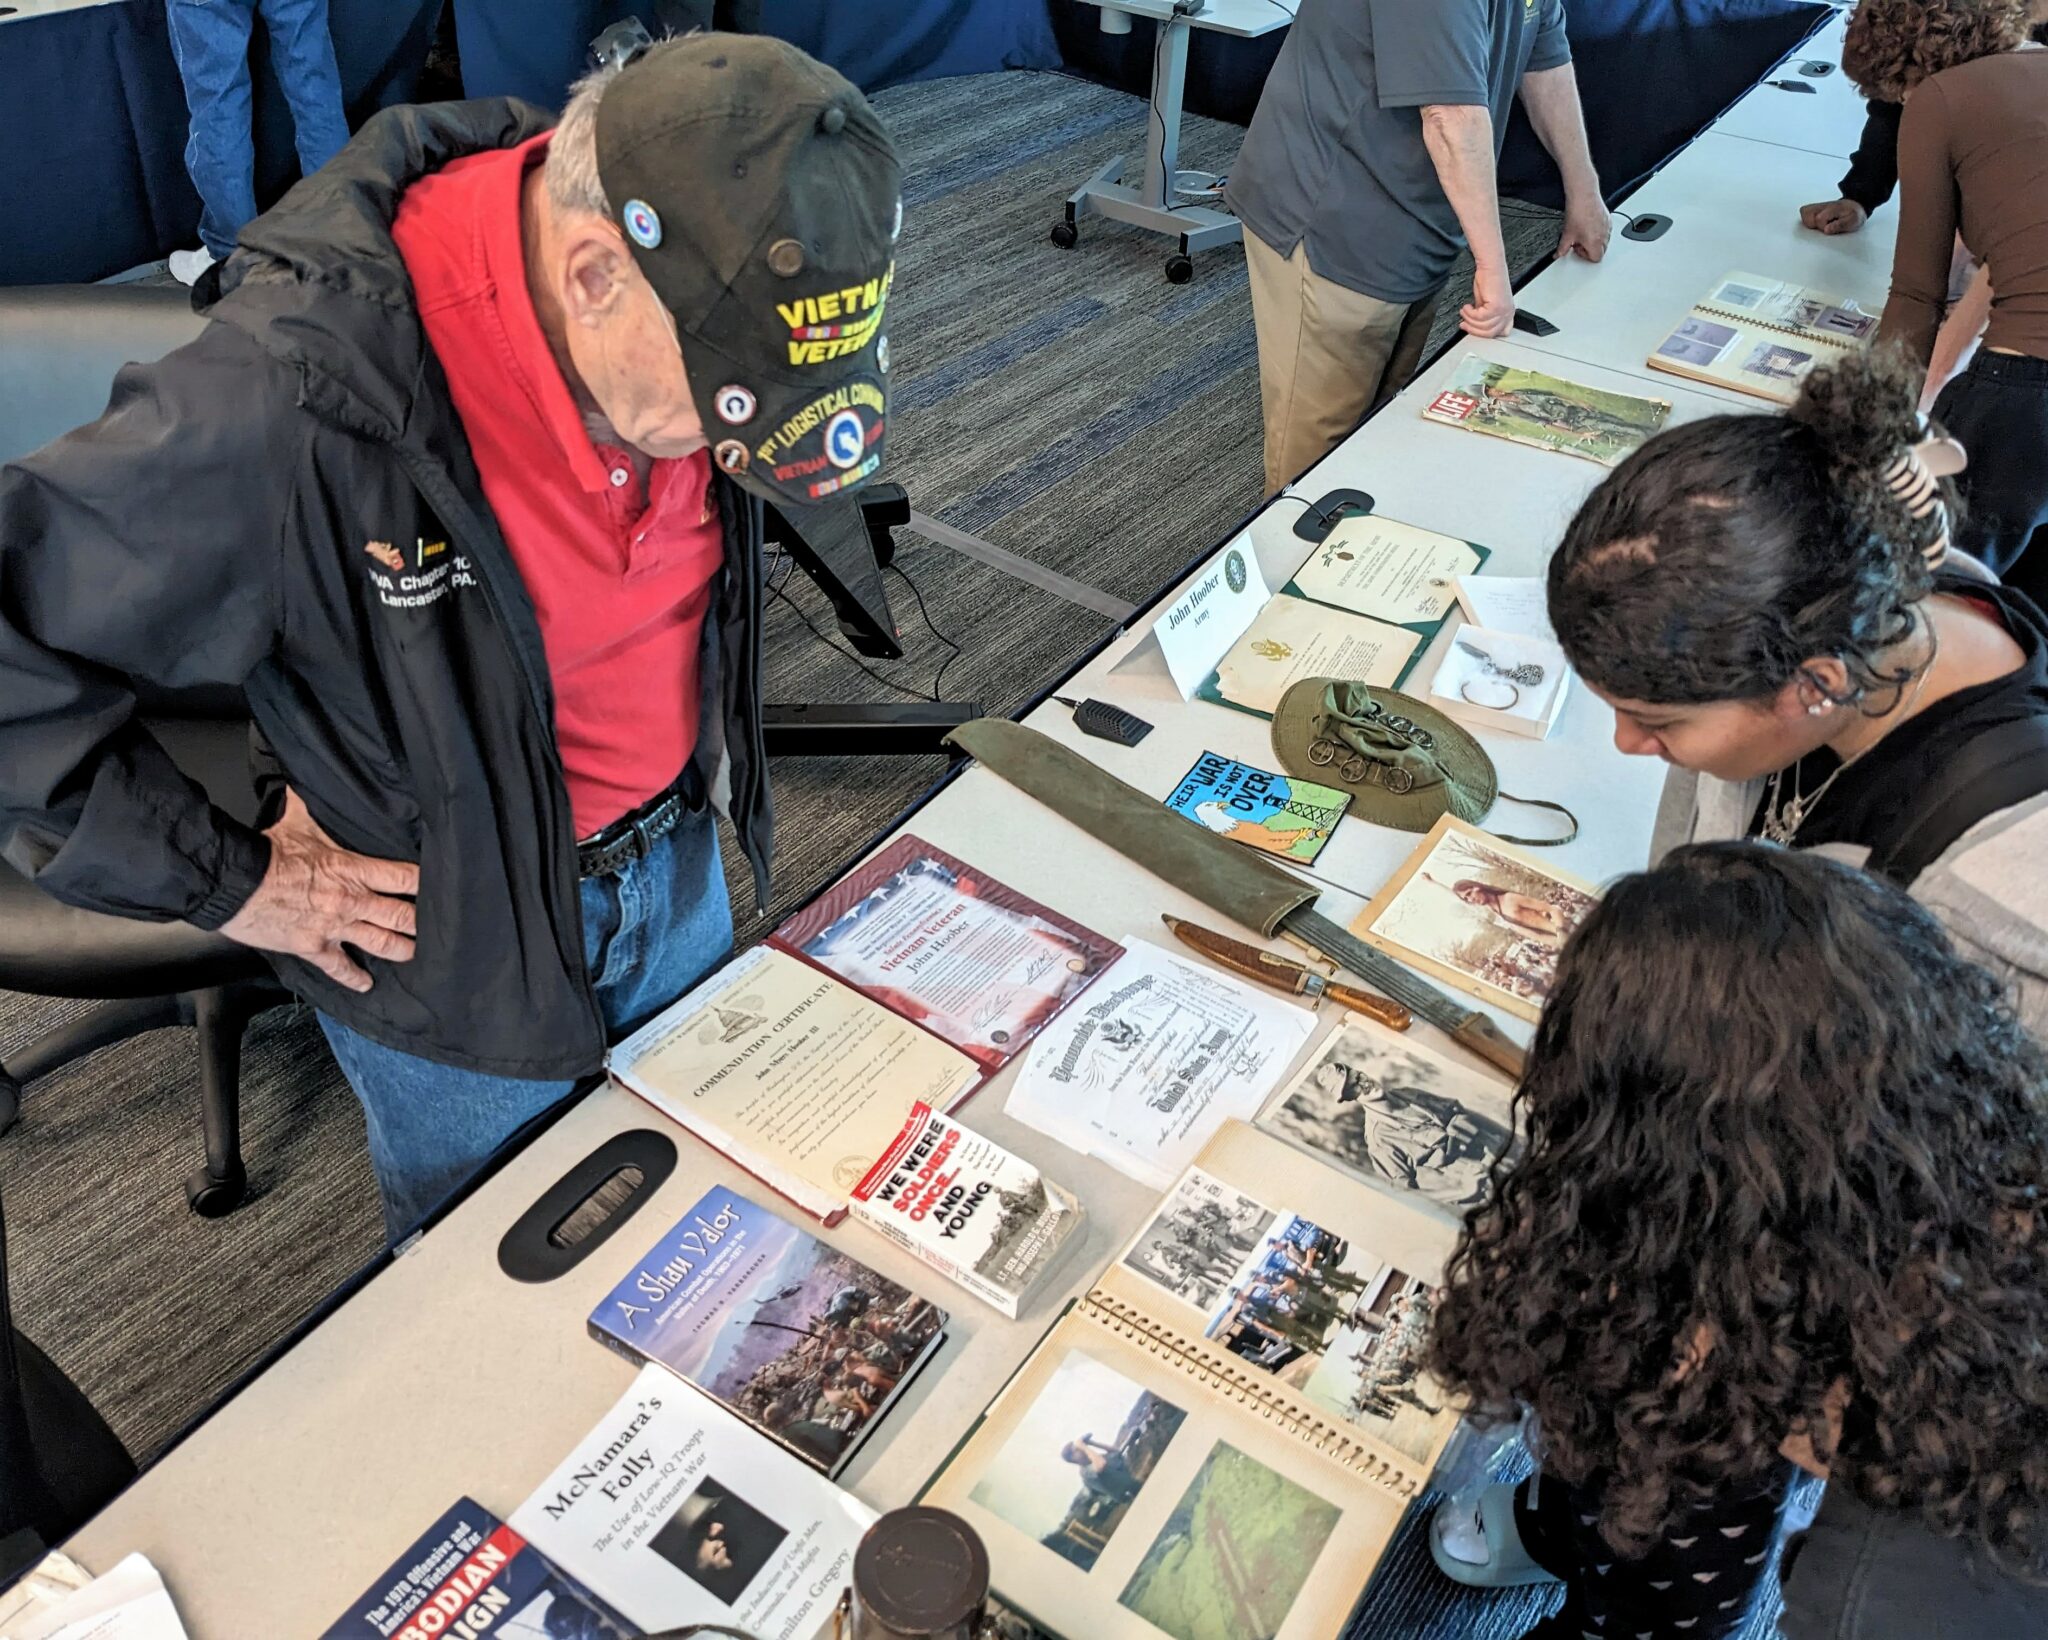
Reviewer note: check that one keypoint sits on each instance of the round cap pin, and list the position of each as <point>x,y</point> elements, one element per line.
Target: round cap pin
<point>882,354</point>
<point>735,405</point>
<point>731,455</point>
<point>845,440</point>
<point>642,223</point>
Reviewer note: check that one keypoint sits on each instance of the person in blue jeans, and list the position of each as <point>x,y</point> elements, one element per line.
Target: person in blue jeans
<point>651,930</point>
<point>210,39</point>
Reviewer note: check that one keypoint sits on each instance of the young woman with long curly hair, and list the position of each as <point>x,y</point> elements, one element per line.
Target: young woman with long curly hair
<point>1781,1201</point>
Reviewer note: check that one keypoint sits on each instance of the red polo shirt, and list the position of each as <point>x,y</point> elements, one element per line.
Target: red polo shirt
<point>620,577</point>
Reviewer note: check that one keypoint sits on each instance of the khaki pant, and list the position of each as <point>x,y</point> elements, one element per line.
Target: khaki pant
<point>1327,355</point>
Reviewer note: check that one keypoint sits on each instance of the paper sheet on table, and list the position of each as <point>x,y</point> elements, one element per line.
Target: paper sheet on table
<point>1386,569</point>
<point>1294,639</point>
<point>1508,603</point>
<point>1153,1060</point>
<point>128,1603</point>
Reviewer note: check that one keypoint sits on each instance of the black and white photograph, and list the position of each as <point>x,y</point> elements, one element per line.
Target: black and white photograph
<point>1198,1241</point>
<point>718,1540</point>
<point>1397,1116</point>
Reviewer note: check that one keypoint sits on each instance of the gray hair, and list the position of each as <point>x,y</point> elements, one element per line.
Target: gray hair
<point>571,171</point>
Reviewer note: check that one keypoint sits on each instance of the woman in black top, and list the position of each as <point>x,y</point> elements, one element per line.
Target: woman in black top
<point>1781,1202</point>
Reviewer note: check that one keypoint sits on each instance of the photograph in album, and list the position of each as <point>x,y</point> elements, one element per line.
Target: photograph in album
<point>1320,1314</point>
<point>1479,914</point>
<point>1234,1555</point>
<point>1199,1239</point>
<point>1398,1116</point>
<point>1079,1458</point>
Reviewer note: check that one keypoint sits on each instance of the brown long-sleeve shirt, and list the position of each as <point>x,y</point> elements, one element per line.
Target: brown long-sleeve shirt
<point>1973,157</point>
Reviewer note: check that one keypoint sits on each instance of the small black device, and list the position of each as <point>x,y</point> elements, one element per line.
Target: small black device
<point>1647,226</point>
<point>1534,323</point>
<point>1791,85</point>
<point>1816,68</point>
<point>1106,722</point>
<point>1188,8</point>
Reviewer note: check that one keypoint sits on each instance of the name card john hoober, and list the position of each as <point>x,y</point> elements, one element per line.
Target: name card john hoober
<point>1200,625</point>
<point>796,1076</point>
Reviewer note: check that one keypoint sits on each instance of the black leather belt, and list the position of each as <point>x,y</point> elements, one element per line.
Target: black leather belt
<point>633,836</point>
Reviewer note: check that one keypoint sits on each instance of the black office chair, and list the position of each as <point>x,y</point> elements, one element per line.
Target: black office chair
<point>60,347</point>
<point>59,1462</point>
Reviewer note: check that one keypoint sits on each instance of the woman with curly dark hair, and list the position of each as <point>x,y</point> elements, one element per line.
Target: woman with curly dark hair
<point>1971,141</point>
<point>1781,1198</point>
<point>1761,601</point>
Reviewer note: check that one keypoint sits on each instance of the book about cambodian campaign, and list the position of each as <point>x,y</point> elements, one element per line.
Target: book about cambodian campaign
<point>949,948</point>
<point>804,1343</point>
<point>470,1574</point>
<point>1273,813</point>
<point>985,1218</point>
<point>674,1513</point>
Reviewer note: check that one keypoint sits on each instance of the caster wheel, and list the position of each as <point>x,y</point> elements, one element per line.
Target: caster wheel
<point>1065,235</point>
<point>213,1198</point>
<point>1179,270</point>
<point>10,1101</point>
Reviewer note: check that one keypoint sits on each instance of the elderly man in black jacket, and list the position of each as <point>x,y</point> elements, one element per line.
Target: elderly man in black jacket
<point>468,501</point>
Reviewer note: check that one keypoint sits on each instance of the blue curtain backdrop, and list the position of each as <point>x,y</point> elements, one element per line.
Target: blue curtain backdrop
<point>94,117</point>
<point>533,48</point>
<point>93,123</point>
<point>1652,74</point>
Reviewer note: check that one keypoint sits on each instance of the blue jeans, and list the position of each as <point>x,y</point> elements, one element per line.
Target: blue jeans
<point>650,932</point>
<point>210,40</point>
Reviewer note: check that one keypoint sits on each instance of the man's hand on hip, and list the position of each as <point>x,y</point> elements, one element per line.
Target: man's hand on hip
<point>317,897</point>
<point>1491,312</point>
<point>1587,227</point>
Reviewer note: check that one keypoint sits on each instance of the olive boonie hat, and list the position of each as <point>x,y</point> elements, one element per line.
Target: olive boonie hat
<point>762,200</point>
<point>1403,763</point>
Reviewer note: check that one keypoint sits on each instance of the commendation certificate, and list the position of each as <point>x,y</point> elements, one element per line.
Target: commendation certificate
<point>799,1078</point>
<point>1388,570</point>
<point>1294,639</point>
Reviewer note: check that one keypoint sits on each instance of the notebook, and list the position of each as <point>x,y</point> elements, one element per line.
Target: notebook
<point>1762,336</point>
<point>1218,1442</point>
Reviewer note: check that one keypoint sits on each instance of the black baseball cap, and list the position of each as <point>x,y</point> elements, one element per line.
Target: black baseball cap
<point>763,199</point>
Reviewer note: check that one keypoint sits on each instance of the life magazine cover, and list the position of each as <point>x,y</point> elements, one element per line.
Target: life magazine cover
<point>1548,412</point>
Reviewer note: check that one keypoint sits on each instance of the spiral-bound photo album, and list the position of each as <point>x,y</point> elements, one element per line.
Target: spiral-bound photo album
<point>1218,1442</point>
<point>1762,336</point>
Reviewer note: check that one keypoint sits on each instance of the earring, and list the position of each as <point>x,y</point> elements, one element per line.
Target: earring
<point>1820,708</point>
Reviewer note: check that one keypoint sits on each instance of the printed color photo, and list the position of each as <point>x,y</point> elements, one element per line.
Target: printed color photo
<point>1479,914</point>
<point>1078,1459</point>
<point>1233,1555</point>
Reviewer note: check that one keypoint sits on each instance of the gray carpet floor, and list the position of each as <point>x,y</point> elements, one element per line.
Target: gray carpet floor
<point>1070,406</point>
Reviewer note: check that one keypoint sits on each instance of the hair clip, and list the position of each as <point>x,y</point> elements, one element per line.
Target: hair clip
<point>1914,478</point>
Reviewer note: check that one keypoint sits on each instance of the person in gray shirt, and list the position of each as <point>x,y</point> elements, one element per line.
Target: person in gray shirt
<point>1368,165</point>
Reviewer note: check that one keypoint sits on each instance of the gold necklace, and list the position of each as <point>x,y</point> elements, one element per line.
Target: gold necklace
<point>1781,824</point>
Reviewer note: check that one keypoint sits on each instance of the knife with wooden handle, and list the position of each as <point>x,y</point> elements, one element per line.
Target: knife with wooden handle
<point>1283,973</point>
<point>1238,883</point>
